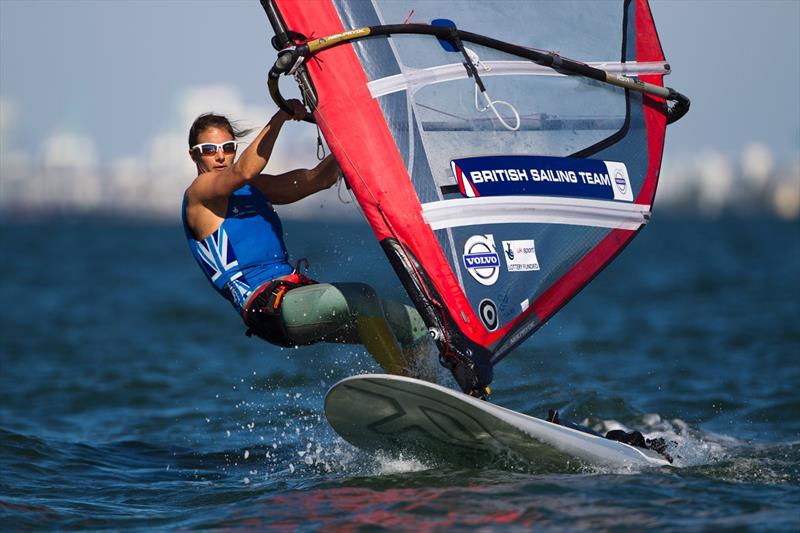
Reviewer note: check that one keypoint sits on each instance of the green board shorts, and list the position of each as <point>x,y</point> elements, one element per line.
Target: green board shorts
<point>287,314</point>
<point>328,311</point>
<point>295,311</point>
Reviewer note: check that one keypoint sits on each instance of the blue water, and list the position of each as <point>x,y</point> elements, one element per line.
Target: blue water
<point>131,398</point>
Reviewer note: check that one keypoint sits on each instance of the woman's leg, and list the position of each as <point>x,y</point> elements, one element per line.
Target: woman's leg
<point>419,352</point>
<point>353,313</point>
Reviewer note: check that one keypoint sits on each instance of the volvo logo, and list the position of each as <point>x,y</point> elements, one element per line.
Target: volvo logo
<point>481,259</point>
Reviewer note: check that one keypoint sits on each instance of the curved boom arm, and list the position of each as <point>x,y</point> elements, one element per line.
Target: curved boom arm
<point>293,55</point>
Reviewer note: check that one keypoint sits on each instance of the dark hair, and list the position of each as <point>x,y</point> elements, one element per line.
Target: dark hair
<point>210,120</point>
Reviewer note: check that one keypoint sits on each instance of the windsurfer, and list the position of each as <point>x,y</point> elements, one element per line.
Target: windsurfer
<point>236,238</point>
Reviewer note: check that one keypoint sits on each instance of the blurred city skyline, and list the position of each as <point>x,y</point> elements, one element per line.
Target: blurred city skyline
<point>96,98</point>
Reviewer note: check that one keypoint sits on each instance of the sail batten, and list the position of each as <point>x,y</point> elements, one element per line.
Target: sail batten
<point>413,79</point>
<point>534,210</point>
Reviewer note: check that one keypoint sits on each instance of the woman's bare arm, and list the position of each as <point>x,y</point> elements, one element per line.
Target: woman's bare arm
<point>210,186</point>
<point>297,184</point>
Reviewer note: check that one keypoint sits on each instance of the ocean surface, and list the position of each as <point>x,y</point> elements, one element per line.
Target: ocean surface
<point>131,398</point>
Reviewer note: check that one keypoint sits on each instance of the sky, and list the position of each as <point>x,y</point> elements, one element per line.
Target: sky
<point>117,83</point>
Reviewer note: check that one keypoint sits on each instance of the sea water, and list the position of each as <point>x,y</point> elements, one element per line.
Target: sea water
<point>132,399</point>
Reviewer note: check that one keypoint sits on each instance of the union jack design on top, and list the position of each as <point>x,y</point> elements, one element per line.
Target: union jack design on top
<point>217,256</point>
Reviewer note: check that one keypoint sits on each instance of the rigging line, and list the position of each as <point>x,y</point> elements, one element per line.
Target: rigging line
<point>473,58</point>
<point>321,118</point>
<point>320,147</point>
<point>435,110</point>
<point>339,191</point>
<point>471,63</point>
<point>442,112</point>
<point>491,104</point>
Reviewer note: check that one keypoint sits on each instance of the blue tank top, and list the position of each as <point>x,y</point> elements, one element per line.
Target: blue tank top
<point>247,249</point>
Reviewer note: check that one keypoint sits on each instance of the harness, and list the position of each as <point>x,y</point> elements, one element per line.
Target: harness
<point>262,312</point>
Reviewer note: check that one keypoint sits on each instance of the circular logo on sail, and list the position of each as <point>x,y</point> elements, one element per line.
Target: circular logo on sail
<point>481,259</point>
<point>619,179</point>
<point>487,310</point>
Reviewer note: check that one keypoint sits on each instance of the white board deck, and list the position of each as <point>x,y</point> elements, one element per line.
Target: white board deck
<point>384,412</point>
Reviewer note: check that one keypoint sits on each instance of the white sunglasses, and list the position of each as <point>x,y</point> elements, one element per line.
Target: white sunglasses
<point>228,147</point>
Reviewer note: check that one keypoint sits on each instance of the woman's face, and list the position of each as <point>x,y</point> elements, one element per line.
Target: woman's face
<point>218,160</point>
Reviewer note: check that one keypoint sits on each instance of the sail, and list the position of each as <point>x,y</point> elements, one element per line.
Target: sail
<point>497,186</point>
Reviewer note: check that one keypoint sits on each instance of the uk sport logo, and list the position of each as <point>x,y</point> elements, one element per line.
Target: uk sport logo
<point>481,259</point>
<point>521,255</point>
